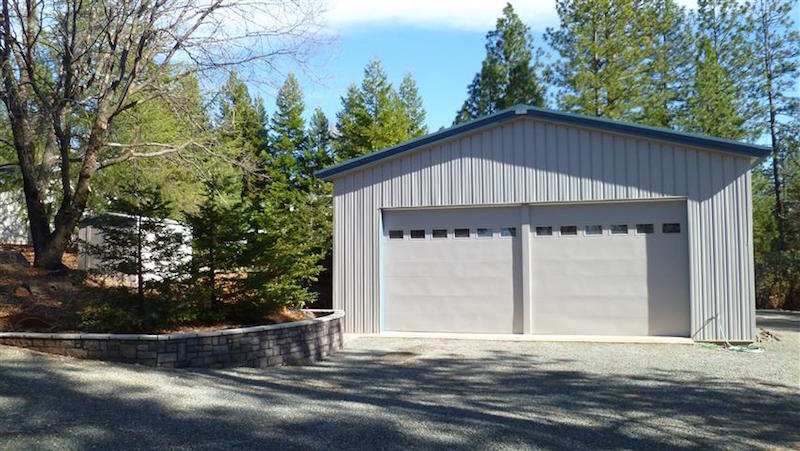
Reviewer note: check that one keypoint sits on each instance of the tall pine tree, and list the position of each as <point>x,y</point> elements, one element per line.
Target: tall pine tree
<point>723,66</point>
<point>287,141</point>
<point>242,131</point>
<point>374,115</point>
<point>666,63</point>
<point>600,49</point>
<point>778,54</point>
<point>508,73</point>
<point>713,103</point>
<point>414,112</point>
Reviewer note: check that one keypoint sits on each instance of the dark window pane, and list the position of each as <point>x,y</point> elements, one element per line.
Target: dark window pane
<point>544,230</point>
<point>485,233</point>
<point>439,233</point>
<point>461,233</point>
<point>396,234</point>
<point>619,229</point>
<point>644,228</point>
<point>508,231</point>
<point>419,233</point>
<point>569,230</point>
<point>671,228</point>
<point>594,230</point>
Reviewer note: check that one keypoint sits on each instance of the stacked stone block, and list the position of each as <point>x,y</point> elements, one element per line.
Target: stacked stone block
<point>297,343</point>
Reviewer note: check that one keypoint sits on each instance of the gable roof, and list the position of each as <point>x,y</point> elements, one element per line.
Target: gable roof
<point>628,128</point>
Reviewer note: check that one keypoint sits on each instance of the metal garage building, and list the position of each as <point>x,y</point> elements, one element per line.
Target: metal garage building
<point>541,222</point>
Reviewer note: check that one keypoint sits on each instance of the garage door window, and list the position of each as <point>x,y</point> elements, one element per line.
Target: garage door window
<point>461,233</point>
<point>485,233</point>
<point>594,230</point>
<point>395,234</point>
<point>671,228</point>
<point>619,229</point>
<point>509,232</point>
<point>644,228</point>
<point>544,230</point>
<point>569,230</point>
<point>439,233</point>
<point>418,234</point>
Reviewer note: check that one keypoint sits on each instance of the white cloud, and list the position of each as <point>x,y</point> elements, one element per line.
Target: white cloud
<point>469,15</point>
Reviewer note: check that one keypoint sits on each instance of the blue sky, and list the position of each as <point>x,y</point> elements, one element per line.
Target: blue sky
<point>440,42</point>
<point>442,62</point>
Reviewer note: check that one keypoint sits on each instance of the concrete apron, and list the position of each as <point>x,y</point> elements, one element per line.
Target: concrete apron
<point>529,337</point>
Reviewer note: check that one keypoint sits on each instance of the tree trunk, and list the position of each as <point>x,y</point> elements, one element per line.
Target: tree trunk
<point>780,216</point>
<point>139,265</point>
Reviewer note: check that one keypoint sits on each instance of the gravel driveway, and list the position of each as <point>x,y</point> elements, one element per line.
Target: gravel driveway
<point>383,393</point>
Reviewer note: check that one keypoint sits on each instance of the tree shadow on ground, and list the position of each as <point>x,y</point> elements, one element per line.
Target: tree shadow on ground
<point>387,400</point>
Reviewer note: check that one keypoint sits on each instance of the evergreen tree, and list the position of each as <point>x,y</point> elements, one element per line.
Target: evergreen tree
<point>712,105</point>
<point>718,103</point>
<point>288,141</point>
<point>317,154</point>
<point>280,258</point>
<point>320,155</point>
<point>666,64</point>
<point>218,231</point>
<point>508,73</point>
<point>414,112</point>
<point>176,118</point>
<point>242,132</point>
<point>777,45</point>
<point>373,115</point>
<point>136,239</point>
<point>601,48</point>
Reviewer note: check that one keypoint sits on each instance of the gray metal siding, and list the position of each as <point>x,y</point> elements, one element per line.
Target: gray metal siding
<point>533,161</point>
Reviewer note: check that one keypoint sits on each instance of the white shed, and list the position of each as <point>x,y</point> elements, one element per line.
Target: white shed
<point>13,218</point>
<point>541,222</point>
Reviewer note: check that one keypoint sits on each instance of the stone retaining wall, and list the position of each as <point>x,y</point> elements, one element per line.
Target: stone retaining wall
<point>296,343</point>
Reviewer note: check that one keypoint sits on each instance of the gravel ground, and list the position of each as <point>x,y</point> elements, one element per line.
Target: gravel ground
<point>383,393</point>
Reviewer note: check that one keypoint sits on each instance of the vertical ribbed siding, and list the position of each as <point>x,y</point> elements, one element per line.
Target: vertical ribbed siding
<point>533,161</point>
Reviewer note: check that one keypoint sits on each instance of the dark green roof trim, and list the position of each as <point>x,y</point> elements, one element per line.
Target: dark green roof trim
<point>628,128</point>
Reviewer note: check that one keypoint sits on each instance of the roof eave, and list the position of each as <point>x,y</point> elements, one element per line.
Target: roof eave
<point>689,139</point>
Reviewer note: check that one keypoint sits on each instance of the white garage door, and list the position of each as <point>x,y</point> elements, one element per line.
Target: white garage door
<point>610,269</point>
<point>454,270</point>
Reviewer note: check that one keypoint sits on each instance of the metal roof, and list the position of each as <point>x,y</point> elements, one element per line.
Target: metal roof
<point>645,131</point>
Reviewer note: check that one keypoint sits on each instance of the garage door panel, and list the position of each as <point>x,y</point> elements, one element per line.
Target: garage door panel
<point>620,284</point>
<point>486,286</point>
<point>452,284</point>
<point>597,325</point>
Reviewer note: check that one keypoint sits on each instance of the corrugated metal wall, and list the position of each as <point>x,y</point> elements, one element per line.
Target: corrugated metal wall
<point>532,161</point>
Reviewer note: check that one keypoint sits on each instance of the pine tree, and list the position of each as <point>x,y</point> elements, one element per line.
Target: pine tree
<point>280,258</point>
<point>667,60</point>
<point>508,73</point>
<point>317,153</point>
<point>712,106</point>
<point>723,71</point>
<point>412,105</point>
<point>373,115</point>
<point>136,240</point>
<point>600,45</point>
<point>288,140</point>
<point>242,130</point>
<point>218,231</point>
<point>778,52</point>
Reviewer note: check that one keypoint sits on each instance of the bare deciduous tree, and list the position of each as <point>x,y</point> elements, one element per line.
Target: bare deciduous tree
<point>70,67</point>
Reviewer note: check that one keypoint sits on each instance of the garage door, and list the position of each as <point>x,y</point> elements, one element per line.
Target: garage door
<point>454,270</point>
<point>610,269</point>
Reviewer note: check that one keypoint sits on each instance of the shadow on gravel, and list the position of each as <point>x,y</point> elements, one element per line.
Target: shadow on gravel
<point>782,321</point>
<point>371,400</point>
